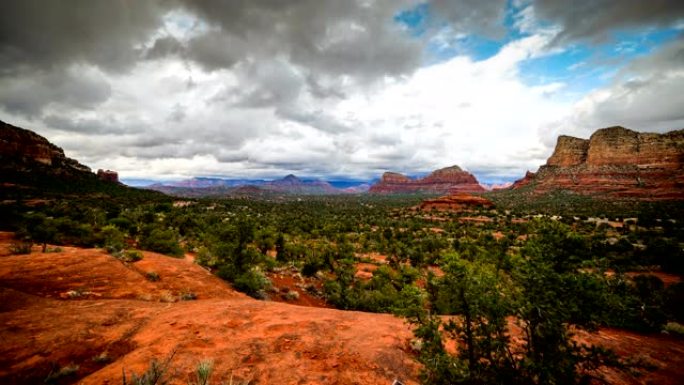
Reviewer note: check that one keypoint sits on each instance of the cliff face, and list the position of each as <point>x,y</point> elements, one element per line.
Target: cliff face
<point>25,151</point>
<point>448,180</point>
<point>615,162</point>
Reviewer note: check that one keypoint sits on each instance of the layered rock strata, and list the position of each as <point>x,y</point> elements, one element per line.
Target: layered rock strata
<point>615,162</point>
<point>450,180</point>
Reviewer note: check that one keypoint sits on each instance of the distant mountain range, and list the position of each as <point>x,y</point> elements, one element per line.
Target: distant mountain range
<point>290,184</point>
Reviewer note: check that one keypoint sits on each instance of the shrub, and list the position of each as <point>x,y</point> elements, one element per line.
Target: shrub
<point>102,358</point>
<point>132,256</point>
<point>292,295</point>
<point>57,373</point>
<point>187,295</point>
<point>23,247</point>
<point>674,328</point>
<point>162,241</point>
<point>253,283</point>
<point>113,239</point>
<point>152,276</point>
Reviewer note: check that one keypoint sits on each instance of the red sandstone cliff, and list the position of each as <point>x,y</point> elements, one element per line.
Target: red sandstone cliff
<point>448,180</point>
<point>615,162</point>
<point>22,150</point>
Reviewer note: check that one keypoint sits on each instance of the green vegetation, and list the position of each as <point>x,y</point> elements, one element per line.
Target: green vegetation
<point>57,373</point>
<point>538,271</point>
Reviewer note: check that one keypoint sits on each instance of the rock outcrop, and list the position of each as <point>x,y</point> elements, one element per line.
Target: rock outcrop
<point>108,176</point>
<point>32,167</point>
<point>24,151</point>
<point>615,162</point>
<point>458,202</point>
<point>450,180</point>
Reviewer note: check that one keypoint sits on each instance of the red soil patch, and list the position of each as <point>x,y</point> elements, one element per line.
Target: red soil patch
<point>498,235</point>
<point>668,279</point>
<point>365,270</point>
<point>119,314</point>
<point>375,257</point>
<point>479,219</point>
<point>288,283</point>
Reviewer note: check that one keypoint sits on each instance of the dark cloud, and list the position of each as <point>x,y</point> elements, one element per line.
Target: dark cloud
<point>163,47</point>
<point>355,38</point>
<point>75,88</point>
<point>46,34</point>
<point>216,50</point>
<point>101,125</point>
<point>595,19</point>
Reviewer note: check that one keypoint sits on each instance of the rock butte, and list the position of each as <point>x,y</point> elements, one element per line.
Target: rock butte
<point>614,162</point>
<point>458,202</point>
<point>448,180</point>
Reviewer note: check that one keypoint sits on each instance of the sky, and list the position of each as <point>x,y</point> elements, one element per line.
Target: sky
<point>335,89</point>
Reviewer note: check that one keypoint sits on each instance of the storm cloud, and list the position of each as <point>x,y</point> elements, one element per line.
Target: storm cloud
<point>260,88</point>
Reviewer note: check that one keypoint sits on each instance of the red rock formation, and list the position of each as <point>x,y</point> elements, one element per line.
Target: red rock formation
<point>25,151</point>
<point>448,180</point>
<point>615,162</point>
<point>458,202</point>
<point>108,176</point>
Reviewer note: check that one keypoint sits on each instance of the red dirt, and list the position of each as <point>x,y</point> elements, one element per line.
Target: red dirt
<point>287,283</point>
<point>123,315</point>
<point>131,320</point>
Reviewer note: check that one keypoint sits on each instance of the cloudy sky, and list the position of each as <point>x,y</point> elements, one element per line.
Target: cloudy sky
<point>337,89</point>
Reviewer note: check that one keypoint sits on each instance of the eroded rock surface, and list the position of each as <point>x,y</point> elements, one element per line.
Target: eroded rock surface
<point>615,162</point>
<point>448,180</point>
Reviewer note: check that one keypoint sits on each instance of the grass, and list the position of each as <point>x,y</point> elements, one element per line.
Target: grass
<point>203,372</point>
<point>187,296</point>
<point>64,371</point>
<point>156,373</point>
<point>102,358</point>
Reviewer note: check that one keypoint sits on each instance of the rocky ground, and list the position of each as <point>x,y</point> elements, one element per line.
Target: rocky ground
<point>84,311</point>
<point>83,308</point>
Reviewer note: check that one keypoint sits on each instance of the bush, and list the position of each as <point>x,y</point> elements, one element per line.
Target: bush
<point>253,283</point>
<point>187,295</point>
<point>131,256</point>
<point>113,239</point>
<point>674,328</point>
<point>162,241</point>
<point>58,373</point>
<point>18,248</point>
<point>152,276</point>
